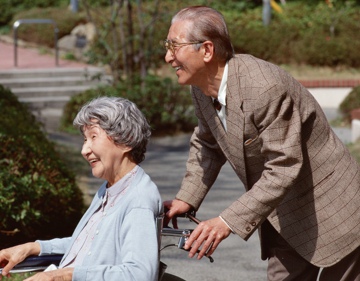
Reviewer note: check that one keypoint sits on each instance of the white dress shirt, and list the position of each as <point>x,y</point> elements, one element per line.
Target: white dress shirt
<point>222,97</point>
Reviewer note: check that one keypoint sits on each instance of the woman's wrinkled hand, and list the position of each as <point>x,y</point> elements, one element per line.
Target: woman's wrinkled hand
<point>63,274</point>
<point>10,257</point>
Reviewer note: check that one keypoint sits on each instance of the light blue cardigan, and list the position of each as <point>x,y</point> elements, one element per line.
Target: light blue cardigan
<point>126,246</point>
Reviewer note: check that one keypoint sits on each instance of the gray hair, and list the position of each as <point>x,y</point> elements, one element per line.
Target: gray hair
<point>122,121</point>
<point>207,24</point>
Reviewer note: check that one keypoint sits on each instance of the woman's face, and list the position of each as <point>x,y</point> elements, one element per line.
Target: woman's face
<point>108,160</point>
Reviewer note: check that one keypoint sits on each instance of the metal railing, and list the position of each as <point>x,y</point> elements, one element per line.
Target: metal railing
<point>32,21</point>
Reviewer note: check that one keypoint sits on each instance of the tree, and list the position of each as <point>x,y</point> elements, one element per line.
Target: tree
<point>125,35</point>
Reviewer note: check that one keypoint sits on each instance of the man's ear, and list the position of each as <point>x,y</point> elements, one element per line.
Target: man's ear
<point>208,49</point>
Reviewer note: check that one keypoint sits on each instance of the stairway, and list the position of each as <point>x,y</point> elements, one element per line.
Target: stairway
<point>46,91</point>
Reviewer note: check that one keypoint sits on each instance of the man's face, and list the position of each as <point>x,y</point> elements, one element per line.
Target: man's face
<point>187,61</point>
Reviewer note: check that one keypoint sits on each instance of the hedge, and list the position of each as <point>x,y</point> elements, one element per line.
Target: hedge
<point>39,197</point>
<point>351,102</point>
<point>166,105</point>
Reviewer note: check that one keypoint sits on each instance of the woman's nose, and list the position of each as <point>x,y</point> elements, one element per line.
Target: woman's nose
<point>85,150</point>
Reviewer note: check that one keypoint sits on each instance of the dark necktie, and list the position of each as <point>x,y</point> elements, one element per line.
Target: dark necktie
<point>217,104</point>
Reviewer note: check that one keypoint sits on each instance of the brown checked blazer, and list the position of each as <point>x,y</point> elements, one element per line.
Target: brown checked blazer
<point>296,171</point>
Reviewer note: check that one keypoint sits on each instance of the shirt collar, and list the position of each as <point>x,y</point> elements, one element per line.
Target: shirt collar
<point>122,184</point>
<point>222,88</point>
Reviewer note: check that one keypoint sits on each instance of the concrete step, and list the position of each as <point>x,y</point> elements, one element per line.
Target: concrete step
<point>44,99</point>
<point>46,91</point>
<point>51,81</point>
<point>49,120</point>
<point>49,103</point>
<point>26,94</point>
<point>52,72</point>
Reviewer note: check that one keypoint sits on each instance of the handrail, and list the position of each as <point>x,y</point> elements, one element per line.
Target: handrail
<point>31,21</point>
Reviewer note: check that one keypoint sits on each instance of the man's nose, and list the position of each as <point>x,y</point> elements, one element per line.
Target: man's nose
<point>169,57</point>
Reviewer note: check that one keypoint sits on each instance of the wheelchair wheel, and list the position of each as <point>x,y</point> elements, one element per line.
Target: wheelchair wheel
<point>170,277</point>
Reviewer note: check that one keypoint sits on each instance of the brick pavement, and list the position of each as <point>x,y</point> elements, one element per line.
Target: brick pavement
<point>30,58</point>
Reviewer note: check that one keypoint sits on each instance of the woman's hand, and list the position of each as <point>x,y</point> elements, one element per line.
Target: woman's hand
<point>63,274</point>
<point>12,256</point>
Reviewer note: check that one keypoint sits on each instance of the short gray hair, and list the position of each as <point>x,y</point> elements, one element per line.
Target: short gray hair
<point>207,24</point>
<point>122,121</point>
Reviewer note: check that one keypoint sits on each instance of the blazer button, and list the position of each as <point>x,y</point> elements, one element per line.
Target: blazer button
<point>248,229</point>
<point>253,223</point>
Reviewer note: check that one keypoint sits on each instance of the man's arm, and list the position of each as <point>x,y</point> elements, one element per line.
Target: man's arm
<point>278,118</point>
<point>204,162</point>
<point>203,166</point>
<point>279,123</point>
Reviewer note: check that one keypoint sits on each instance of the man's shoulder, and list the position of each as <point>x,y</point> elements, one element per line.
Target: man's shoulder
<point>258,70</point>
<point>246,60</point>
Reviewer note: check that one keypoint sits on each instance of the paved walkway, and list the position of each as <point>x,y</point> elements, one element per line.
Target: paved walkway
<point>29,58</point>
<point>165,163</point>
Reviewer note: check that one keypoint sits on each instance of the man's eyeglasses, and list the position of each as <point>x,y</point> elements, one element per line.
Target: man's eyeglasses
<point>172,46</point>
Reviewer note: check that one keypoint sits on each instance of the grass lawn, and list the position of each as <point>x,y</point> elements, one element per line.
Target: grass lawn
<point>304,72</point>
<point>18,277</point>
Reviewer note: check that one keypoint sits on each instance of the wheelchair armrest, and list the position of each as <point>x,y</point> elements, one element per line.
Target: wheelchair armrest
<point>36,263</point>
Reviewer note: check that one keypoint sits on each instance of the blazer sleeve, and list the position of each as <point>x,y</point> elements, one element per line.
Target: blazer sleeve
<point>204,162</point>
<point>277,117</point>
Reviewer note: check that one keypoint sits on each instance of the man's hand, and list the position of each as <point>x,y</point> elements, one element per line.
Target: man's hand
<point>206,237</point>
<point>12,256</point>
<point>173,208</point>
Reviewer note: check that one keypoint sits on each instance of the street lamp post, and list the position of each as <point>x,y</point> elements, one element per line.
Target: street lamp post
<point>266,13</point>
<point>74,5</point>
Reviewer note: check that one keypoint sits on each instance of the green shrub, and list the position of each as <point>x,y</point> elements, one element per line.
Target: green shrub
<point>6,13</point>
<point>166,105</point>
<point>354,149</point>
<point>352,101</point>
<point>43,34</point>
<point>9,8</point>
<point>302,34</point>
<point>307,32</point>
<point>38,194</point>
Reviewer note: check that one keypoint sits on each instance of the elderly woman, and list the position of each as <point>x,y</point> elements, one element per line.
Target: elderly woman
<point>116,239</point>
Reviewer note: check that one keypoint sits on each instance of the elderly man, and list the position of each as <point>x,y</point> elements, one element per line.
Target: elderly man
<point>303,186</point>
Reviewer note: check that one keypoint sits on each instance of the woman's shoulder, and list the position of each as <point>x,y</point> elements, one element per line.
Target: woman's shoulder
<point>144,188</point>
<point>143,179</point>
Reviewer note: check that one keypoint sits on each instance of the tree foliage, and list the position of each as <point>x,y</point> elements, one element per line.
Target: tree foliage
<point>125,36</point>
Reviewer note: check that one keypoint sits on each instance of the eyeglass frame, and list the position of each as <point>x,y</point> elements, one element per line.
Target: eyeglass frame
<point>169,45</point>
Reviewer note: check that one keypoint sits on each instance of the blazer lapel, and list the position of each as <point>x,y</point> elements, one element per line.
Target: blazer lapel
<point>212,118</point>
<point>235,121</point>
<point>230,141</point>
